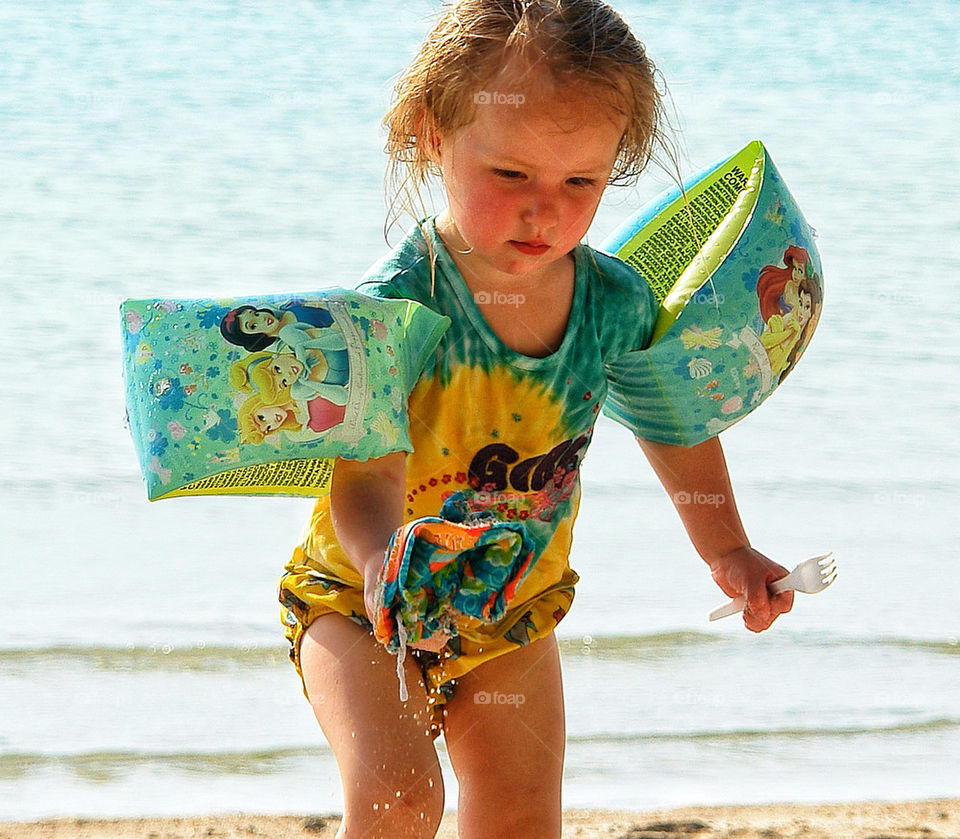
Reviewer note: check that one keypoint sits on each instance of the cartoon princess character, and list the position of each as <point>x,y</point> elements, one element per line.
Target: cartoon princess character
<point>789,305</point>
<point>809,298</point>
<point>256,420</point>
<point>241,371</point>
<point>284,377</point>
<point>278,379</point>
<point>255,329</point>
<point>323,360</point>
<point>317,343</point>
<point>773,280</point>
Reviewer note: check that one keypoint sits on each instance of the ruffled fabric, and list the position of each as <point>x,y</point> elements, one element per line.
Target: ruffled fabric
<point>440,569</point>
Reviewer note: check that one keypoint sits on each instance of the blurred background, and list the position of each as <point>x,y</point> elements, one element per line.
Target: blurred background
<point>226,148</point>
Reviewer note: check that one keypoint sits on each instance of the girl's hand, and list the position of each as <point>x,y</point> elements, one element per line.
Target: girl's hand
<point>747,572</point>
<point>370,577</point>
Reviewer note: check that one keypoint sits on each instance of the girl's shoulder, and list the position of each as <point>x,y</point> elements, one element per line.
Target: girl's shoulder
<point>403,273</point>
<point>615,290</point>
<point>611,276</point>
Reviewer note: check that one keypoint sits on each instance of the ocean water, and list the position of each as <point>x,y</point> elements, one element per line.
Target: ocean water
<point>164,148</point>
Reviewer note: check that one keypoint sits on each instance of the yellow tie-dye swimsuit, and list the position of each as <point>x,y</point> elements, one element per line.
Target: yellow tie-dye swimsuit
<point>510,430</point>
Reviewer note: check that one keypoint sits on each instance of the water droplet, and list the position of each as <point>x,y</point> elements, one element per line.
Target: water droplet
<point>430,782</point>
<point>398,793</point>
<point>376,806</point>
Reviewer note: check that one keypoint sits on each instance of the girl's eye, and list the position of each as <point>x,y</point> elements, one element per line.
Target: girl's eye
<point>582,182</point>
<point>508,174</point>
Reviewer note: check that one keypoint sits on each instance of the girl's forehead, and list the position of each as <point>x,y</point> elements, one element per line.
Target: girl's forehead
<point>525,114</point>
<point>569,133</point>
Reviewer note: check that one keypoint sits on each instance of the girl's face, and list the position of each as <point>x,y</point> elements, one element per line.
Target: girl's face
<point>285,370</point>
<point>799,271</point>
<point>269,419</point>
<point>258,322</point>
<point>524,179</point>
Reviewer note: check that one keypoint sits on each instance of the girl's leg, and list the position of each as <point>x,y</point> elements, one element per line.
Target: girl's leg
<point>505,734</point>
<point>391,778</point>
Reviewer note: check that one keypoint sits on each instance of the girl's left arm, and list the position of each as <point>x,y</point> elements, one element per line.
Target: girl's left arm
<point>697,481</point>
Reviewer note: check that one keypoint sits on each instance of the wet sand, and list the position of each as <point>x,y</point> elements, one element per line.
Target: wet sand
<point>937,819</point>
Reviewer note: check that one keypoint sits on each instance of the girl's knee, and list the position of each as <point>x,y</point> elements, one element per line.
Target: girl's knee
<point>411,810</point>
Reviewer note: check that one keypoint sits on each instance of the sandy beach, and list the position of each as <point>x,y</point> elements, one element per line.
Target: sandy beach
<point>935,819</point>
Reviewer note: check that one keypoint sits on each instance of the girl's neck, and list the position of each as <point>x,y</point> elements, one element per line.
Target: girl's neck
<point>527,312</point>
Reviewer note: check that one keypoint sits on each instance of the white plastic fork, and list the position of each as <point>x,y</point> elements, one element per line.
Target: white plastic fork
<point>810,576</point>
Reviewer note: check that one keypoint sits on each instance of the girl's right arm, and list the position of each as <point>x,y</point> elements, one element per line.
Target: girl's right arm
<point>366,506</point>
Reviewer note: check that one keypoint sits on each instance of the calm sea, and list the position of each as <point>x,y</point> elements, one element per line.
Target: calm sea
<point>169,148</point>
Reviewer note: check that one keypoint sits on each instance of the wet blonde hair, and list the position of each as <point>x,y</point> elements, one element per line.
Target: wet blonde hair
<point>581,43</point>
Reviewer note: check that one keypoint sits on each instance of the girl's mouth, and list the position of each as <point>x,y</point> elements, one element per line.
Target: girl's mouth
<point>530,248</point>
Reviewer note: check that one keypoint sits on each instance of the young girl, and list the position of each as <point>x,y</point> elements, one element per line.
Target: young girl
<point>525,110</point>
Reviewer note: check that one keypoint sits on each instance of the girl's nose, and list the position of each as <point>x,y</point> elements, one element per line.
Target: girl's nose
<point>541,212</point>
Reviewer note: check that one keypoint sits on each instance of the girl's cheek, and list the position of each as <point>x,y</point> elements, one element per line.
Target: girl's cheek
<point>485,209</point>
<point>486,194</point>
<point>496,205</point>
<point>586,207</point>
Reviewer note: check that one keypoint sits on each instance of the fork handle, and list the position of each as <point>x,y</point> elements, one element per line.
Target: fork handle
<point>733,607</point>
<point>737,604</point>
<point>781,585</point>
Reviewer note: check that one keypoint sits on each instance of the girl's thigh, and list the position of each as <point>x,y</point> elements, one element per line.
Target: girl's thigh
<point>384,750</point>
<point>504,730</point>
